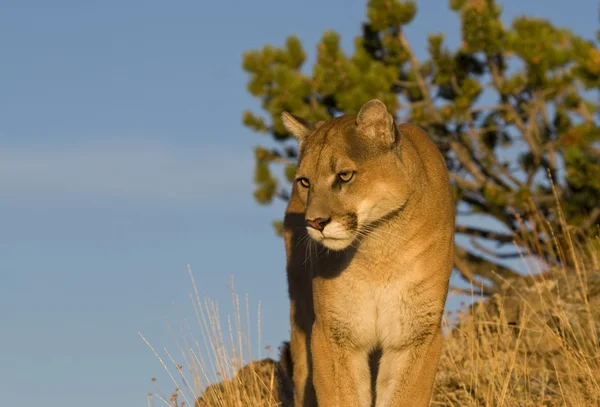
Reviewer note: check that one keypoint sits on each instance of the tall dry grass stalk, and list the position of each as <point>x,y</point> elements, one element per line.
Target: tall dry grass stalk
<point>218,369</point>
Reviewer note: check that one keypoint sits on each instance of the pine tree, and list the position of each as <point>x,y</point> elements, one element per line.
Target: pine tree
<point>541,126</point>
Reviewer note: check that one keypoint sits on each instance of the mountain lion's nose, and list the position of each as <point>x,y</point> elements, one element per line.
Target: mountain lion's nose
<point>318,223</point>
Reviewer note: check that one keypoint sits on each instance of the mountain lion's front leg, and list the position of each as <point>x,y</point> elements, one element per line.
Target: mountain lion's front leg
<point>304,393</point>
<point>341,373</point>
<point>406,377</point>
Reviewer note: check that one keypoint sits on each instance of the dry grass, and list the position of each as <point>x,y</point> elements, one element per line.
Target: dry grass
<point>535,344</point>
<point>218,369</point>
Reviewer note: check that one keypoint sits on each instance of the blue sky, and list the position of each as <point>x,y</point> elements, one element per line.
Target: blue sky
<point>123,158</point>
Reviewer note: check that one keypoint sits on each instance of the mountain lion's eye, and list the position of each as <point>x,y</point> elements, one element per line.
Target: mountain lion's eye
<point>304,182</point>
<point>345,176</point>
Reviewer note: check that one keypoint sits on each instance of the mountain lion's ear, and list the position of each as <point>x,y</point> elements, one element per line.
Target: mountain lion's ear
<point>374,121</point>
<point>299,127</point>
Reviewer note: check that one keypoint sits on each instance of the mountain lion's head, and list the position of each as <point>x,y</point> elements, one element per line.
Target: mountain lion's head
<point>350,175</point>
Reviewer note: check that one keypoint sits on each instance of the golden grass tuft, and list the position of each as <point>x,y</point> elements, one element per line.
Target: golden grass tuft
<point>219,369</point>
<point>535,344</point>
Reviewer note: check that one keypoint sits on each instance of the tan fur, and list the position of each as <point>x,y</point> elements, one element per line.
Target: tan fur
<point>376,278</point>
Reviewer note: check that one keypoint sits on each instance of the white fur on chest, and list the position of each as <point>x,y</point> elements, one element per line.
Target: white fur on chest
<point>378,314</point>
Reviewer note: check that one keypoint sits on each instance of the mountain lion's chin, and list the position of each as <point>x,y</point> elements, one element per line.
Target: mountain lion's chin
<point>336,244</point>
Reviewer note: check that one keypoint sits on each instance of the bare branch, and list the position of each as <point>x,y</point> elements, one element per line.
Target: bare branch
<point>497,80</point>
<point>486,234</point>
<point>526,130</point>
<point>493,253</point>
<point>466,159</point>
<point>486,108</point>
<point>490,155</point>
<point>530,129</point>
<point>477,265</point>
<point>583,110</point>
<point>419,78</point>
<point>464,183</point>
<point>454,84</point>
<point>591,219</point>
<point>507,219</point>
<point>473,291</point>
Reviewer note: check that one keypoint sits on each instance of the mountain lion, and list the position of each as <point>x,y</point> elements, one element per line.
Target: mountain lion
<point>369,235</point>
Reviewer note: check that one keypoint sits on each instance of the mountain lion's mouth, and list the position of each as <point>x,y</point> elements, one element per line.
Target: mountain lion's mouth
<point>337,241</point>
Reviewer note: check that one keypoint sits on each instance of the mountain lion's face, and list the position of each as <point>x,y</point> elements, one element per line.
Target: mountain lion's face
<point>349,174</point>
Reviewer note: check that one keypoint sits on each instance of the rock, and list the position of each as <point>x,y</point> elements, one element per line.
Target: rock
<point>254,385</point>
